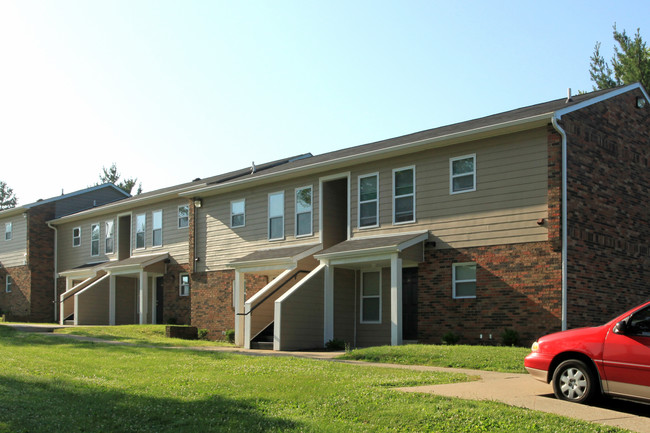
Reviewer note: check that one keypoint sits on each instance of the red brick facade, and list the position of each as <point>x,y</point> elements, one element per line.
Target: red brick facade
<point>176,308</point>
<point>15,305</point>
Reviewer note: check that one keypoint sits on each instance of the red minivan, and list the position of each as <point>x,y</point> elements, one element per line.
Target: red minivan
<point>612,359</point>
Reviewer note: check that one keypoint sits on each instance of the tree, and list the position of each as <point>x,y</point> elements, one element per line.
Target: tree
<point>110,175</point>
<point>7,197</point>
<point>630,63</point>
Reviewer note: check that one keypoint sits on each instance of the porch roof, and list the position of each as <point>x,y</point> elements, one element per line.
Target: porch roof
<point>278,257</point>
<point>115,265</point>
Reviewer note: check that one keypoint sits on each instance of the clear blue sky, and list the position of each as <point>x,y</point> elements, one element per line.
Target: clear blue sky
<point>174,90</point>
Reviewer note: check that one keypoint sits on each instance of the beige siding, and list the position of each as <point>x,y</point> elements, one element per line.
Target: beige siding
<point>12,252</point>
<point>175,240</point>
<point>510,196</point>
<point>346,305</point>
<point>126,301</point>
<point>92,304</point>
<point>376,334</point>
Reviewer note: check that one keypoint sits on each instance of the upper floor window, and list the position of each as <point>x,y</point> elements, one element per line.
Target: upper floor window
<point>184,284</point>
<point>76,236</point>
<point>276,215</point>
<point>156,234</point>
<point>371,297</point>
<point>304,211</point>
<point>464,280</point>
<point>9,231</point>
<point>109,244</point>
<point>369,200</point>
<point>9,282</point>
<point>238,213</point>
<point>140,230</point>
<point>94,240</point>
<point>183,216</point>
<point>404,195</point>
<point>462,174</point>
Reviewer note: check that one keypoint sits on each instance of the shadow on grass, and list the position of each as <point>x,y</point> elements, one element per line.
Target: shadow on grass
<point>48,406</point>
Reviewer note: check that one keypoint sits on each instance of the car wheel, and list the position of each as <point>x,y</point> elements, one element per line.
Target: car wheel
<point>574,381</point>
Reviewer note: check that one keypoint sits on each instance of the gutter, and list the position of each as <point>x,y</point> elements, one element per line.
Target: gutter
<point>558,128</point>
<point>56,272</point>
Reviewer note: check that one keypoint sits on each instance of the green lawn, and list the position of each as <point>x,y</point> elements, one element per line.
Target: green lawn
<point>50,384</point>
<point>492,358</point>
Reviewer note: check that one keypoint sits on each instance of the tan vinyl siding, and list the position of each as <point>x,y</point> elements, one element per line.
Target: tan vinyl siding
<point>510,196</point>
<point>126,301</point>
<point>218,244</point>
<point>375,334</point>
<point>12,252</point>
<point>174,240</point>
<point>92,304</point>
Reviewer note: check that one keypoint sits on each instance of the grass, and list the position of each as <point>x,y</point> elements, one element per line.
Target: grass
<point>151,335</point>
<point>492,358</point>
<point>53,384</point>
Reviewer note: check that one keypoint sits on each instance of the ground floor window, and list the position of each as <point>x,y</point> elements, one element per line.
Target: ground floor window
<point>371,297</point>
<point>184,285</point>
<point>464,280</point>
<point>9,284</point>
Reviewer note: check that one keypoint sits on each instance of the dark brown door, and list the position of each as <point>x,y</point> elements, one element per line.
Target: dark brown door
<point>159,300</point>
<point>410,303</point>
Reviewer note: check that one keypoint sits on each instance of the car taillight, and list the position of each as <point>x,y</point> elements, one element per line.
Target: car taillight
<point>535,347</point>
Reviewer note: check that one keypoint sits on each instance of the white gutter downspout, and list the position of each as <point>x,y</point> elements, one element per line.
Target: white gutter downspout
<point>564,230</point>
<point>56,271</point>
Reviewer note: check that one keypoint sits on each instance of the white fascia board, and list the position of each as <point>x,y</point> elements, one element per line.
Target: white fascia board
<point>439,141</point>
<point>254,266</point>
<point>601,98</point>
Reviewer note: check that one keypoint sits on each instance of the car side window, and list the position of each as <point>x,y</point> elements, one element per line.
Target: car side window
<point>639,323</point>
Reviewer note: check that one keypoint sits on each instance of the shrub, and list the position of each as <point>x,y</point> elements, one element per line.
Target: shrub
<point>335,345</point>
<point>230,335</point>
<point>171,321</point>
<point>203,334</point>
<point>510,337</point>
<point>450,338</point>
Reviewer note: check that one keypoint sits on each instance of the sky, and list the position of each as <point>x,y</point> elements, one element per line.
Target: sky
<point>174,90</point>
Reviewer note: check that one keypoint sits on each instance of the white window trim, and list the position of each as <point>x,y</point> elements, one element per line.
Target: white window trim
<point>106,236</point>
<point>144,241</point>
<point>9,283</point>
<point>311,211</point>
<point>180,284</point>
<point>410,167</point>
<point>376,175</point>
<point>179,216</point>
<point>370,322</point>
<point>452,176</point>
<point>268,218</point>
<point>9,230</point>
<point>233,214</point>
<point>76,237</point>
<point>99,239</point>
<point>454,280</point>
<point>162,242</point>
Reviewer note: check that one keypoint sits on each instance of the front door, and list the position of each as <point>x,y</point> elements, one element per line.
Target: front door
<point>159,300</point>
<point>409,304</point>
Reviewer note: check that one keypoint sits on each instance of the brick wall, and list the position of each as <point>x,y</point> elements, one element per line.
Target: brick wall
<point>608,196</point>
<point>518,287</point>
<point>176,308</point>
<point>15,305</point>
<point>40,247</point>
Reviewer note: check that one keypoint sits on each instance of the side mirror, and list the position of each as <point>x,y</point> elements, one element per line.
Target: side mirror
<point>620,327</point>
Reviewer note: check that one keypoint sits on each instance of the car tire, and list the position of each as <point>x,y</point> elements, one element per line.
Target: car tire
<point>573,381</point>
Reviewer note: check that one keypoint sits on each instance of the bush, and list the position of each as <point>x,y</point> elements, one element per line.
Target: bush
<point>203,334</point>
<point>335,345</point>
<point>230,336</point>
<point>171,321</point>
<point>510,337</point>
<point>450,338</point>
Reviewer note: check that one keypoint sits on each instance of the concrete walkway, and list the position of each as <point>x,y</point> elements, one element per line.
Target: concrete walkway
<point>510,388</point>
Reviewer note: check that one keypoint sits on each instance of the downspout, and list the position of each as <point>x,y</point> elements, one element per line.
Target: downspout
<point>56,272</point>
<point>558,128</point>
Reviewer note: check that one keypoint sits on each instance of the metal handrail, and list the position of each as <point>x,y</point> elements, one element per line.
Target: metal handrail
<point>294,276</point>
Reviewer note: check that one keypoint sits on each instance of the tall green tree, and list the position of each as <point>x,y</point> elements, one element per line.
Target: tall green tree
<point>629,64</point>
<point>7,197</point>
<point>111,175</point>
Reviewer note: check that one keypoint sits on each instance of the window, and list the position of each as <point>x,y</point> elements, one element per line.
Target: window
<point>109,245</point>
<point>9,231</point>
<point>76,236</point>
<point>464,280</point>
<point>404,195</point>
<point>140,230</point>
<point>639,323</point>
<point>276,215</point>
<point>369,200</point>
<point>371,297</point>
<point>156,233</point>
<point>462,172</point>
<point>183,216</point>
<point>303,211</point>
<point>9,284</point>
<point>238,213</point>
<point>184,284</point>
<point>94,240</point>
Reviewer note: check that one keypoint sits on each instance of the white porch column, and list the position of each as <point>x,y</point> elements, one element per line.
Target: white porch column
<point>144,289</point>
<point>395,300</point>
<point>328,306</point>
<point>238,300</point>
<point>154,297</point>
<point>247,326</point>
<point>111,300</point>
